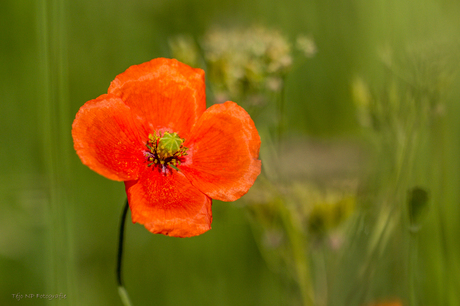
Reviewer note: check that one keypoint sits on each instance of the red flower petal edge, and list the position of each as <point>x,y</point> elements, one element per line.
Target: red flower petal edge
<point>225,146</point>
<point>169,204</point>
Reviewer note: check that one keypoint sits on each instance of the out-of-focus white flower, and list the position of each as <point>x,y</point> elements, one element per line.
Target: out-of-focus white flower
<point>243,62</point>
<point>307,45</point>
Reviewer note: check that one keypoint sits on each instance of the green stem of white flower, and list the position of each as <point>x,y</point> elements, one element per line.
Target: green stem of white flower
<point>298,243</point>
<point>413,256</point>
<point>280,114</point>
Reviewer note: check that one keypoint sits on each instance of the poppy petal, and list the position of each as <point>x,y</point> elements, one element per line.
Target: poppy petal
<point>108,139</point>
<point>223,152</point>
<point>167,93</point>
<point>168,205</point>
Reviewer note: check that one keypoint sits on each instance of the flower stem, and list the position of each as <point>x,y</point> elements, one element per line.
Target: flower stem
<point>54,120</point>
<point>121,288</point>
<point>280,114</point>
<point>413,256</point>
<point>300,256</point>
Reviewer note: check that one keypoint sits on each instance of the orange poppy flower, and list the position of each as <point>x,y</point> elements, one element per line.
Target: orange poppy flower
<point>152,130</point>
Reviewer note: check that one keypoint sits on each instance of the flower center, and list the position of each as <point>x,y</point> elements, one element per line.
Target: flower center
<point>165,151</point>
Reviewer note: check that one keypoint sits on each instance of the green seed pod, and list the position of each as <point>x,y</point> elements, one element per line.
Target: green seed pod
<point>169,144</point>
<point>417,201</point>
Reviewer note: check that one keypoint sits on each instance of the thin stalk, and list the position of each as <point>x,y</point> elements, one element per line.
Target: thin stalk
<point>440,176</point>
<point>299,243</point>
<point>55,123</point>
<point>413,256</point>
<point>280,113</point>
<point>121,288</point>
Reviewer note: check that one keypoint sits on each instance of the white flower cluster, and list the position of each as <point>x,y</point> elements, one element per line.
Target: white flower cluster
<point>245,61</point>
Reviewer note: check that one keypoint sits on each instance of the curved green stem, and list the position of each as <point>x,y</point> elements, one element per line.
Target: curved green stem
<point>121,288</point>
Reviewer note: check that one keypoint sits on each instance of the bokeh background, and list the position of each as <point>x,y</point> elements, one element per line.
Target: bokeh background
<point>59,220</point>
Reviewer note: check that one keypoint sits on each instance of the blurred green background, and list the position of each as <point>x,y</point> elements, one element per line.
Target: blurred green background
<point>59,220</point>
